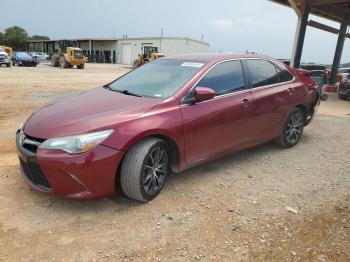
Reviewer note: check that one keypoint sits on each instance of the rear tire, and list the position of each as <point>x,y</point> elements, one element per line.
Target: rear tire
<point>55,61</point>
<point>63,62</point>
<point>144,169</point>
<point>81,66</point>
<point>8,65</point>
<point>292,129</point>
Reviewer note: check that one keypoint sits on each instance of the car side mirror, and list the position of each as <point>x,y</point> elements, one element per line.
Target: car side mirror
<point>203,93</point>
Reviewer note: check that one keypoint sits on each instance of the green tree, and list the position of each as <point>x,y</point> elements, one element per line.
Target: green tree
<point>2,38</point>
<point>15,37</point>
<point>40,37</point>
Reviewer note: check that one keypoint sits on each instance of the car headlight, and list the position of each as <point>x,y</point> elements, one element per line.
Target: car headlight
<point>77,144</point>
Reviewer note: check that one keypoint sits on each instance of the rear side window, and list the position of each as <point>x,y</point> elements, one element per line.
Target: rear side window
<point>262,73</point>
<point>284,75</point>
<point>224,78</point>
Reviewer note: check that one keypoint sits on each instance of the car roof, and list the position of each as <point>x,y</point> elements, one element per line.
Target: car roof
<point>213,57</point>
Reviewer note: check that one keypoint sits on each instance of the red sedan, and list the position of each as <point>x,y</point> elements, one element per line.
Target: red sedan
<point>165,116</point>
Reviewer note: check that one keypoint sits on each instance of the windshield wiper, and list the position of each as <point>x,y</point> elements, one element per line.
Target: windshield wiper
<point>108,87</point>
<point>127,92</point>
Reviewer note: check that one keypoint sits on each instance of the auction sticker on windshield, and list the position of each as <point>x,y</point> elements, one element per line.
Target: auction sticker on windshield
<point>191,64</point>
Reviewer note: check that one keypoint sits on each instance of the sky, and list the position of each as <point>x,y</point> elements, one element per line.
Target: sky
<point>227,25</point>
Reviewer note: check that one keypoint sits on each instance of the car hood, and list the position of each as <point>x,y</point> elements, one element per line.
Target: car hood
<point>85,112</point>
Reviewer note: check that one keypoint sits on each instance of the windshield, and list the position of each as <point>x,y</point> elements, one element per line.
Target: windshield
<point>2,50</point>
<point>159,79</point>
<point>23,55</point>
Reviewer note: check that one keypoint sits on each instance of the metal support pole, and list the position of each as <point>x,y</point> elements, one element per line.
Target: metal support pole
<point>300,36</point>
<point>90,47</point>
<point>338,52</point>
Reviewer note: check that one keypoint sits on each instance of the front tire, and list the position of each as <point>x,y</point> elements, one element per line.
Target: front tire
<point>145,169</point>
<point>81,66</point>
<point>292,129</point>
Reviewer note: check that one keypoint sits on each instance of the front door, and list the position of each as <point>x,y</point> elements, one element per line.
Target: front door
<point>221,124</point>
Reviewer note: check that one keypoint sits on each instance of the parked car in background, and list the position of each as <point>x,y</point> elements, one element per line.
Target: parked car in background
<point>42,56</point>
<point>4,58</point>
<point>343,74</point>
<point>35,57</point>
<point>23,59</point>
<point>344,88</point>
<point>167,115</point>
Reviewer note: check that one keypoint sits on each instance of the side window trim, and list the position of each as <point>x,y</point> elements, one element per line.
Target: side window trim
<point>283,69</point>
<point>185,101</point>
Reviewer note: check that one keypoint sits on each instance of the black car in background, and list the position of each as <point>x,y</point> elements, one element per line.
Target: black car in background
<point>23,59</point>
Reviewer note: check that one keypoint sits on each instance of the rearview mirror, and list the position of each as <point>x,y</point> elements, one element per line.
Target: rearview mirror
<point>203,93</point>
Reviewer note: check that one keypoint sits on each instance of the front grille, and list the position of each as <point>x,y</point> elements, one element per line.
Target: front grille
<point>34,173</point>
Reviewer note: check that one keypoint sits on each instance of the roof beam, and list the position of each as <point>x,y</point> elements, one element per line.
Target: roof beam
<point>323,27</point>
<point>336,13</point>
<point>326,2</point>
<point>326,28</point>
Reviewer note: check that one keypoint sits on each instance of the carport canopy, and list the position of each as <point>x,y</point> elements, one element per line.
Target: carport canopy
<point>334,10</point>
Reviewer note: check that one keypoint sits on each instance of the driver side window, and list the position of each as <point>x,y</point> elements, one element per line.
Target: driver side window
<point>224,78</point>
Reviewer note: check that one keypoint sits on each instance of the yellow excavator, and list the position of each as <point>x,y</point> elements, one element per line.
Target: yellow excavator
<point>150,53</point>
<point>68,55</point>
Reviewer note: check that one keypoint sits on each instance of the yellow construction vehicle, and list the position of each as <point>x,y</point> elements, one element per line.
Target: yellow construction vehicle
<point>7,49</point>
<point>5,56</point>
<point>149,54</point>
<point>68,55</point>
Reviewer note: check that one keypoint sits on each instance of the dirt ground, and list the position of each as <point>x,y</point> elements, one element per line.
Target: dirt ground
<point>231,209</point>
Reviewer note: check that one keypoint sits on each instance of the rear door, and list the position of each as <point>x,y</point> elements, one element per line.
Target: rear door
<point>273,93</point>
<point>215,126</point>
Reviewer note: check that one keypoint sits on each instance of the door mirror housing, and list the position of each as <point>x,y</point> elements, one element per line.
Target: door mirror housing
<point>203,93</point>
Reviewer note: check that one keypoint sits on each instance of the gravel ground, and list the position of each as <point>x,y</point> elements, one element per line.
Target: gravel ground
<point>263,204</point>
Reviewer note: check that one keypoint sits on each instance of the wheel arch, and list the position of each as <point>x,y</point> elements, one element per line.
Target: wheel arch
<point>174,154</point>
<point>303,108</point>
<point>174,147</point>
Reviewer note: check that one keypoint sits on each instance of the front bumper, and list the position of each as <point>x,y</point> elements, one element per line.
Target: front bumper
<point>4,62</point>
<point>88,175</point>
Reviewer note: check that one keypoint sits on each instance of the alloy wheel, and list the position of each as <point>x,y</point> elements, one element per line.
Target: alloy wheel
<point>155,170</point>
<point>294,128</point>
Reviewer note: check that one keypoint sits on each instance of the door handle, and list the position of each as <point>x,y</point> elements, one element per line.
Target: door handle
<point>290,90</point>
<point>245,102</point>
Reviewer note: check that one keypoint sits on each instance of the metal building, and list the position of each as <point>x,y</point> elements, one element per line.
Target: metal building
<point>125,50</point>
